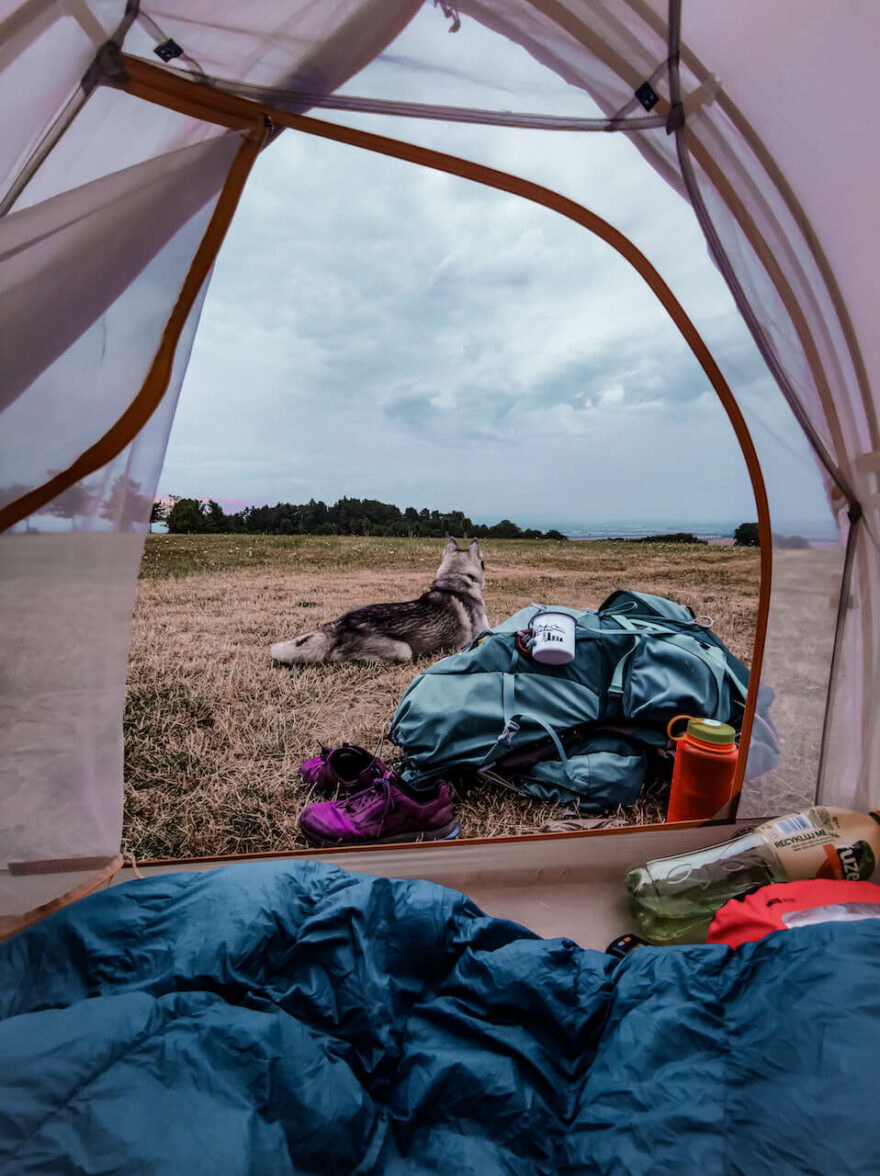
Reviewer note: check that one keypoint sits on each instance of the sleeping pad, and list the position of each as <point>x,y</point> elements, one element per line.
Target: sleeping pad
<point>291,1017</point>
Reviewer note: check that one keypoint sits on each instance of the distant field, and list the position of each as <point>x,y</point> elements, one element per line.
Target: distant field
<point>215,732</point>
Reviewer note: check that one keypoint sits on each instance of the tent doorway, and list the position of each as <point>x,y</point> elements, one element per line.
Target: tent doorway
<point>152,818</point>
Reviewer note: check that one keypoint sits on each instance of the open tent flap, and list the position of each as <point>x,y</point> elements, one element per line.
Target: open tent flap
<point>67,293</point>
<point>97,244</point>
<point>68,577</point>
<point>89,278</point>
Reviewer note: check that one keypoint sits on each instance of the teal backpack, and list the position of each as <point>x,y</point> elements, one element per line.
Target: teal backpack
<point>580,734</point>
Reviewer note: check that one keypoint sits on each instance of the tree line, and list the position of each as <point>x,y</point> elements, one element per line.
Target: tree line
<point>748,535</point>
<point>120,503</point>
<point>347,516</point>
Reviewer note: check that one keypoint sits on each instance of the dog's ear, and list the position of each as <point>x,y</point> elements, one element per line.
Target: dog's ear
<point>475,547</point>
<point>452,545</point>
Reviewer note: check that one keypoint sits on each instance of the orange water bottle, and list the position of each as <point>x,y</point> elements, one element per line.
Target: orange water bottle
<point>705,764</point>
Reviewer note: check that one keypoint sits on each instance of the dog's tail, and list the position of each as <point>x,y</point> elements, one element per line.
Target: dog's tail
<point>308,650</point>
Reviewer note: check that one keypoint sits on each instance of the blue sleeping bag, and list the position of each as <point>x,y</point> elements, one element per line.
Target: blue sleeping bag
<point>293,1018</point>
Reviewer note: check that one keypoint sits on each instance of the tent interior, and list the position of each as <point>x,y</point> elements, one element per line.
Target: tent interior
<point>130,137</point>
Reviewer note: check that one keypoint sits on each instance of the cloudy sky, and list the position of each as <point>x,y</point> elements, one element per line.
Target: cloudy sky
<point>378,330</point>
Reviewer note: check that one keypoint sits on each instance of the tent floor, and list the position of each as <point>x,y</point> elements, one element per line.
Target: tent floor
<point>559,885</point>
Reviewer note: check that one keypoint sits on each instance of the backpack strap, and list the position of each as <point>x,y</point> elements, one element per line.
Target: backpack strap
<point>512,725</point>
<point>557,743</point>
<point>645,604</point>
<point>717,661</point>
<point>616,685</point>
<point>508,700</point>
<point>713,655</point>
<point>653,628</point>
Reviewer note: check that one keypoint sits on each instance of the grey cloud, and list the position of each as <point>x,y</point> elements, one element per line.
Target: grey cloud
<point>412,409</point>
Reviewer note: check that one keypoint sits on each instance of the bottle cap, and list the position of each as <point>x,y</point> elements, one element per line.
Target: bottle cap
<point>711,731</point>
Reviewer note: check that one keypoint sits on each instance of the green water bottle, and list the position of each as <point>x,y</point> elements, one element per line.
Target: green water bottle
<point>675,898</point>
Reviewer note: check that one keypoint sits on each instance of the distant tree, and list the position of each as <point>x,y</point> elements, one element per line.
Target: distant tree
<point>187,517</point>
<point>238,522</point>
<point>505,530</point>
<point>158,512</point>
<point>217,520</point>
<point>747,535</point>
<point>410,521</point>
<point>554,534</point>
<point>314,517</point>
<point>72,503</point>
<point>791,542</point>
<point>674,537</point>
<point>12,493</point>
<point>125,505</point>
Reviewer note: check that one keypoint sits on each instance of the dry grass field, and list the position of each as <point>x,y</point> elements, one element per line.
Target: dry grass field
<point>215,732</point>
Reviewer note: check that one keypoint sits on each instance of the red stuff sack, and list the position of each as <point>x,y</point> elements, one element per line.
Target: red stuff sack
<point>785,905</point>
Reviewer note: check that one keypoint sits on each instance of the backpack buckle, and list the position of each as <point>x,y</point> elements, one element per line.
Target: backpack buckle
<point>510,729</point>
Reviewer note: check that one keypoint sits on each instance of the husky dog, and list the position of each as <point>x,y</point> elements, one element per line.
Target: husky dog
<point>446,617</point>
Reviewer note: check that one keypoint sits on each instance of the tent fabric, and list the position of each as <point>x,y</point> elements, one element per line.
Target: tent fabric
<point>281,1018</point>
<point>790,227</point>
<point>87,280</point>
<point>45,49</point>
<point>56,280</point>
<point>66,602</point>
<point>297,44</point>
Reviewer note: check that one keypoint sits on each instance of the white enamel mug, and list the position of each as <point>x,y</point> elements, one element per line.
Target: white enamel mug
<point>553,638</point>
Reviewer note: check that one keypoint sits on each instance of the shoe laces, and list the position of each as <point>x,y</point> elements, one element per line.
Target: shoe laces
<point>360,800</point>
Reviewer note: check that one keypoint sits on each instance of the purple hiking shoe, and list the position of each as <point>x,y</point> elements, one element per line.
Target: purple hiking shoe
<point>381,813</point>
<point>342,769</point>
